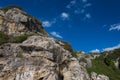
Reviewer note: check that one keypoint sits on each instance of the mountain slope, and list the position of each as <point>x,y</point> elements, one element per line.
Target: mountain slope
<point>28,53</point>
<point>108,63</point>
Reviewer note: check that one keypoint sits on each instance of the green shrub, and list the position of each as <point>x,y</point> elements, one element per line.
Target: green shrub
<point>19,39</point>
<point>105,65</point>
<point>108,61</point>
<point>20,55</point>
<point>66,45</point>
<point>5,9</point>
<point>74,54</point>
<point>114,54</point>
<point>3,37</point>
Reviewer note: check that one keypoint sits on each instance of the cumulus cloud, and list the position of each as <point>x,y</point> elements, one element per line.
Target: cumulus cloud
<point>79,7</point>
<point>82,11</point>
<point>46,24</point>
<point>95,51</point>
<point>84,1</point>
<point>112,48</point>
<point>55,34</point>
<point>87,5</point>
<point>114,27</point>
<point>77,12</point>
<point>64,15</point>
<point>72,3</point>
<point>49,23</point>
<point>88,16</point>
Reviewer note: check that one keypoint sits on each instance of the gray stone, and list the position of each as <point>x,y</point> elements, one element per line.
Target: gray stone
<point>2,13</point>
<point>95,76</point>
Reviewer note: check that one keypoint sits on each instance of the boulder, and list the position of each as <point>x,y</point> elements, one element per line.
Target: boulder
<point>95,76</point>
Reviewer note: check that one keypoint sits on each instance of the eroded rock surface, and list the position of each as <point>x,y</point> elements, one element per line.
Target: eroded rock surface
<point>15,21</point>
<point>95,76</point>
<point>37,58</point>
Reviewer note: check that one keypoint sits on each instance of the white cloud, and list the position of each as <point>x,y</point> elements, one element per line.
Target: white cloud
<point>47,24</point>
<point>64,16</point>
<point>82,11</point>
<point>72,3</point>
<point>88,16</point>
<point>84,1</point>
<point>79,7</point>
<point>95,51</point>
<point>77,12</point>
<point>87,5</point>
<point>55,34</point>
<point>114,27</point>
<point>112,48</point>
<point>104,25</point>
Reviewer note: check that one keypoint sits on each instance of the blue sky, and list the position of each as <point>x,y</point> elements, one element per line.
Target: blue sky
<point>88,25</point>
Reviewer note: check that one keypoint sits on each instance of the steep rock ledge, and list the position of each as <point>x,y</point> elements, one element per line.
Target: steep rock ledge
<point>38,57</point>
<point>14,21</point>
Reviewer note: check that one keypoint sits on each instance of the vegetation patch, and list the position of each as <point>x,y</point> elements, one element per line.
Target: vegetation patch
<point>66,45</point>
<point>5,9</point>
<point>105,65</point>
<point>20,55</point>
<point>74,54</point>
<point>19,39</point>
<point>3,38</point>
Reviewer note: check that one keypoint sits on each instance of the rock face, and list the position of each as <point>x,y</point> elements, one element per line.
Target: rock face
<point>95,76</point>
<point>15,21</point>
<point>117,63</point>
<point>37,58</point>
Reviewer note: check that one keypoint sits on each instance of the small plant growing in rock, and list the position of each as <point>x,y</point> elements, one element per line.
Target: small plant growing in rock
<point>74,54</point>
<point>3,37</point>
<point>19,39</point>
<point>5,9</point>
<point>20,55</point>
<point>66,45</point>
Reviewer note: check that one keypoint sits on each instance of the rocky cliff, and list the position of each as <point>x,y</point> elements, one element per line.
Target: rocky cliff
<point>38,57</point>
<point>15,21</point>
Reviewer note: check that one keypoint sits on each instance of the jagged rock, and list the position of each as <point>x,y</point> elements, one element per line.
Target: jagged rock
<point>37,58</point>
<point>117,63</point>
<point>16,15</point>
<point>15,22</point>
<point>89,63</point>
<point>84,61</point>
<point>7,50</point>
<point>75,71</point>
<point>95,76</point>
<point>26,75</point>
<point>49,62</point>
<point>2,13</point>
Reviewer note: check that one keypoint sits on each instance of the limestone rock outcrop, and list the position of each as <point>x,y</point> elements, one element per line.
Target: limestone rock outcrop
<point>38,57</point>
<point>95,76</point>
<point>15,21</point>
